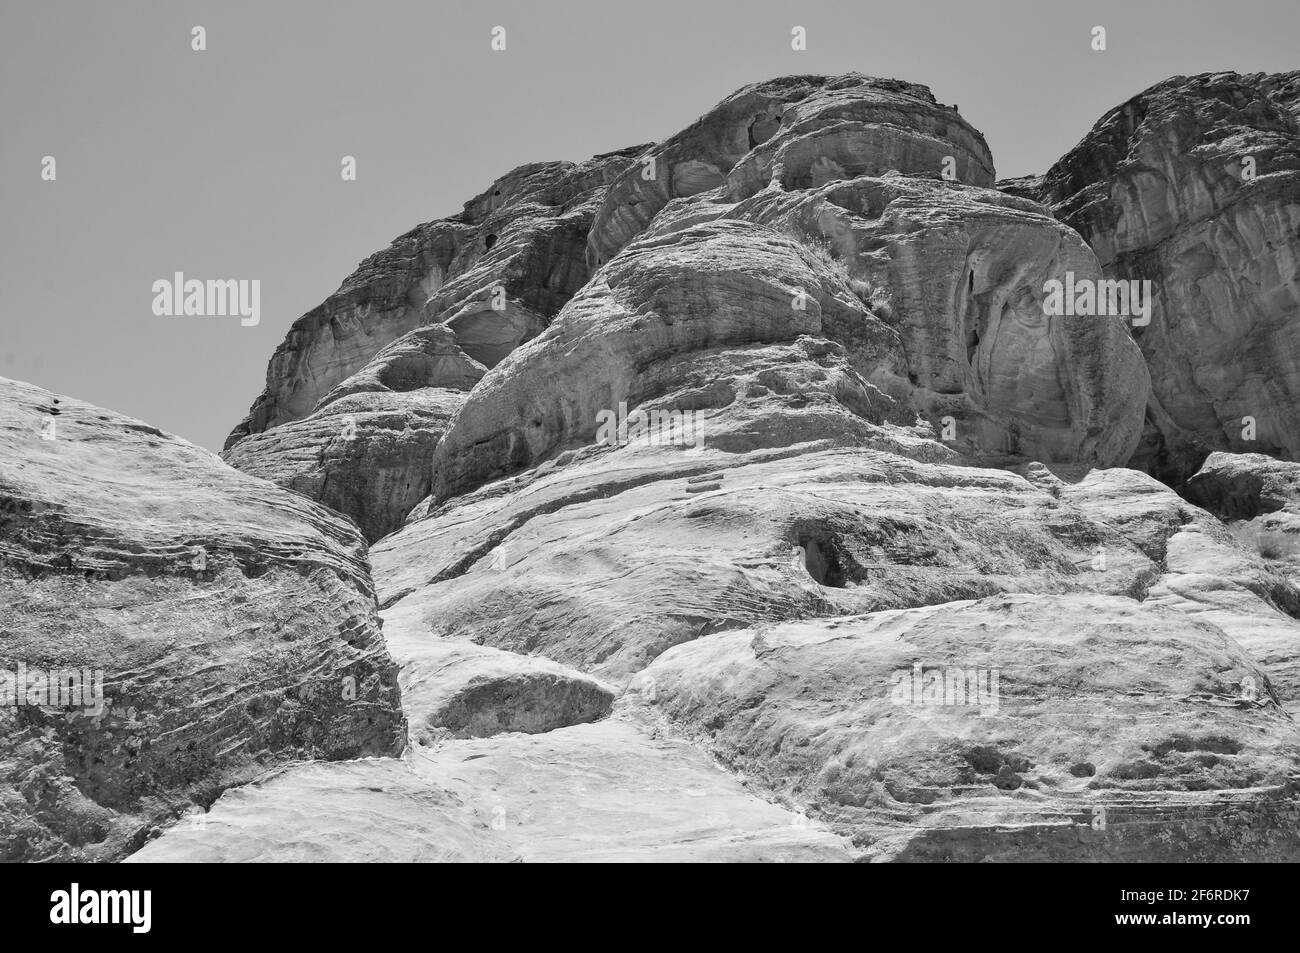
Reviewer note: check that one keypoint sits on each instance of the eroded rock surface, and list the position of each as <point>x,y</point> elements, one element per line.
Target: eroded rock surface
<point>683,462</point>
<point>800,132</point>
<point>367,449</point>
<point>1018,727</point>
<point>1258,497</point>
<point>608,559</point>
<point>233,623</point>
<point>526,233</point>
<point>372,811</point>
<point>616,792</point>
<point>677,319</point>
<point>1194,185</point>
<point>411,329</point>
<point>453,688</point>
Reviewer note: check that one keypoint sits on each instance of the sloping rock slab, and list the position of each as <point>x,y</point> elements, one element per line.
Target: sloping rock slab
<point>233,625</point>
<point>373,811</point>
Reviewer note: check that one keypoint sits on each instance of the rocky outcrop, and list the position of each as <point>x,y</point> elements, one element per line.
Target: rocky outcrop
<point>737,497</point>
<point>1259,498</point>
<point>837,352</point>
<point>933,289</point>
<point>943,319</point>
<point>525,234</point>
<point>800,132</point>
<point>1243,486</point>
<point>1211,572</point>
<point>1027,728</point>
<point>367,449</point>
<point>452,688</point>
<point>672,545</point>
<point>199,626</point>
<point>1194,185</point>
<point>411,328</point>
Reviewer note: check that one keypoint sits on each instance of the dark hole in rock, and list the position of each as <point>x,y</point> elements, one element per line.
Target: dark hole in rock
<point>821,559</point>
<point>407,373</point>
<point>530,704</point>
<point>972,343</point>
<point>489,241</point>
<point>1241,498</point>
<point>762,128</point>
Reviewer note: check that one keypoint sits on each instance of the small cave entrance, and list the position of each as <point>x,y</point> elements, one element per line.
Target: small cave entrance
<point>762,128</point>
<point>821,559</point>
<point>972,343</point>
<point>489,241</point>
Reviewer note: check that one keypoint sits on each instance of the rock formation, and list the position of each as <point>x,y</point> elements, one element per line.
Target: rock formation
<point>493,276</point>
<point>229,625</point>
<point>1027,710</point>
<point>1194,185</point>
<point>1259,498</point>
<point>739,497</point>
<point>366,450</point>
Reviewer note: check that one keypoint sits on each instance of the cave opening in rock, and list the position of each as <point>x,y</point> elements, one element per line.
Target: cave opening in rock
<point>822,561</point>
<point>489,241</point>
<point>762,128</point>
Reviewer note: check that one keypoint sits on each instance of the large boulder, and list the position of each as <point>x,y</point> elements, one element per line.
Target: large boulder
<point>204,626</point>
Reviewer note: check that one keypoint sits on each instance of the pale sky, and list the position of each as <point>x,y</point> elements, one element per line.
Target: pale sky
<point>225,163</point>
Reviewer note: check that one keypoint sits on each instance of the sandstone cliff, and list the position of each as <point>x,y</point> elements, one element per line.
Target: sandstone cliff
<point>1194,185</point>
<point>493,276</point>
<point>233,625</point>
<point>736,497</point>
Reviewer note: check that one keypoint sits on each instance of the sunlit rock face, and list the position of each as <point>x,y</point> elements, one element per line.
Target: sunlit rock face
<point>1194,185</point>
<point>691,449</point>
<point>365,385</point>
<point>366,449</point>
<point>1258,498</point>
<point>959,273</point>
<point>1000,729</point>
<point>232,623</point>
<point>932,292</point>
<point>526,233</point>
<point>801,131</point>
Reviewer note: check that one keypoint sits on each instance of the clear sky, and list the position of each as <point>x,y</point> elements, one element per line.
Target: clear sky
<point>225,163</point>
